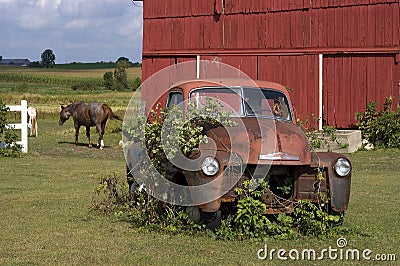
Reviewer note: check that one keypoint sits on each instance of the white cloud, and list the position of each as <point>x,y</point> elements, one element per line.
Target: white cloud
<point>37,14</point>
<point>76,30</point>
<point>92,9</point>
<point>131,24</point>
<point>79,23</point>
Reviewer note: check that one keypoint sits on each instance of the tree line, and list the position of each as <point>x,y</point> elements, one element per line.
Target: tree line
<point>117,80</point>
<point>48,59</point>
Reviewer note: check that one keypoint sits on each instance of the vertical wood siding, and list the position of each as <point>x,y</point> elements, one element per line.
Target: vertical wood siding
<point>353,81</point>
<point>279,40</point>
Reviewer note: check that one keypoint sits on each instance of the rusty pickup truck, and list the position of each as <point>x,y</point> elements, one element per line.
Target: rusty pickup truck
<point>265,144</point>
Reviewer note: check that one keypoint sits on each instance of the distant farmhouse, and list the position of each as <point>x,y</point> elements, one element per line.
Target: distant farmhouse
<point>15,62</point>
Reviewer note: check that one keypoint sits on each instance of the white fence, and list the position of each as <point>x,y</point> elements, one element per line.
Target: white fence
<point>23,126</point>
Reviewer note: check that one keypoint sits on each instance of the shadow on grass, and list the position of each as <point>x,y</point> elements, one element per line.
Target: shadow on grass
<point>81,144</point>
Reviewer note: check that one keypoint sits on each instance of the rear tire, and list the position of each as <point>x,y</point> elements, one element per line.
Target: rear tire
<point>212,220</point>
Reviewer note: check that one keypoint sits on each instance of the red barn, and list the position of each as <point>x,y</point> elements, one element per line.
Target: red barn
<point>335,55</point>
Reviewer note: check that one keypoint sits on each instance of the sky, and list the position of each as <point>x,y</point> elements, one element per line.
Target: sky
<point>75,30</point>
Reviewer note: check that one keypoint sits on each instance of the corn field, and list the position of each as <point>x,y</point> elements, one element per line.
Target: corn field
<point>57,77</point>
<point>55,80</point>
<point>48,89</point>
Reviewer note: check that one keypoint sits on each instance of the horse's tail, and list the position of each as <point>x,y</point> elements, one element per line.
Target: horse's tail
<point>111,113</point>
<point>116,117</point>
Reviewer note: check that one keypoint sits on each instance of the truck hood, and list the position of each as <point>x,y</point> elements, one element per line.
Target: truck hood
<point>262,141</point>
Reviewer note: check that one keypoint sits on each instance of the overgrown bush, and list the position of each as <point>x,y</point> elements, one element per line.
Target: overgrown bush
<point>250,221</point>
<point>137,207</point>
<point>162,128</point>
<point>8,136</point>
<point>319,139</point>
<point>380,127</point>
<point>247,222</point>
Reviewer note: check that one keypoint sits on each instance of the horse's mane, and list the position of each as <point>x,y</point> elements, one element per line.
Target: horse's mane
<point>72,106</point>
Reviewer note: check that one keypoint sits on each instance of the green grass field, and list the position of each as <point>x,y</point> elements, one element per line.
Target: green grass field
<point>46,216</point>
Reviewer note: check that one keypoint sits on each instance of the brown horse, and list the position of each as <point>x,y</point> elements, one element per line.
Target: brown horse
<point>88,115</point>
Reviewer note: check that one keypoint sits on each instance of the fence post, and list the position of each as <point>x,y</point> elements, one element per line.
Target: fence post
<point>24,124</point>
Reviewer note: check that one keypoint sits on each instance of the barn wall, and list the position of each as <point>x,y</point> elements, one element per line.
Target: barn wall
<point>351,81</point>
<point>303,91</point>
<point>280,40</point>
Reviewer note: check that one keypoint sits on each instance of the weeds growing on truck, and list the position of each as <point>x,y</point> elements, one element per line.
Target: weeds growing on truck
<point>268,146</point>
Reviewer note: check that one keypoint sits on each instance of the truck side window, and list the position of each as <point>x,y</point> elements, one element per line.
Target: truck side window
<point>174,98</point>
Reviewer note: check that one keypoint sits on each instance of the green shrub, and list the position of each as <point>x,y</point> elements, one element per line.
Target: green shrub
<point>120,79</point>
<point>8,136</point>
<point>3,115</point>
<point>136,83</point>
<point>108,80</point>
<point>382,128</point>
<point>319,139</point>
<point>248,221</point>
<point>137,207</point>
<point>190,133</point>
<point>84,86</point>
<point>312,219</point>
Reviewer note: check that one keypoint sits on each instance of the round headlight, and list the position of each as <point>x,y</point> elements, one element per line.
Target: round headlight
<point>210,166</point>
<point>342,167</point>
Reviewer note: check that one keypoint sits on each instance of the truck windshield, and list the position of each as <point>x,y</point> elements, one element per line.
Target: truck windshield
<point>245,101</point>
<point>266,103</point>
<point>229,98</point>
